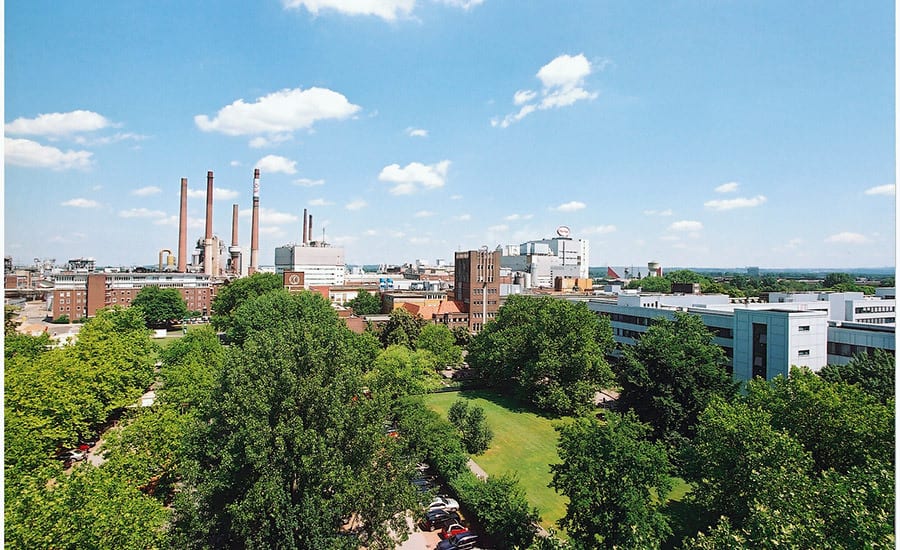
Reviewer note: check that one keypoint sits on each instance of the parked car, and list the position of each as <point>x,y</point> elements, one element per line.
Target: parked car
<point>442,502</point>
<point>72,456</point>
<point>462,541</point>
<point>436,519</point>
<point>423,485</point>
<point>452,529</point>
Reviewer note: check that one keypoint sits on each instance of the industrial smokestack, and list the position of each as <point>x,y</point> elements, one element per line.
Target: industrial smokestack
<point>309,231</point>
<point>182,229</point>
<point>235,250</point>
<point>209,201</point>
<point>254,228</point>
<point>234,225</point>
<point>304,226</point>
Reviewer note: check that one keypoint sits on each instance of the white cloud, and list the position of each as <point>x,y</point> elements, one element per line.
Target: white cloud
<point>888,189</point>
<point>96,187</point>
<point>571,206</point>
<point>388,10</point>
<point>419,240</point>
<point>172,221</point>
<point>271,230</point>
<point>429,176</point>
<point>599,230</point>
<point>455,197</point>
<point>58,124</point>
<point>423,214</point>
<point>463,217</point>
<point>259,142</point>
<point>498,228</point>
<point>235,163</point>
<point>794,243</point>
<point>464,4</point>
<point>24,152</point>
<point>106,140</point>
<point>147,191</point>
<point>731,204</point>
<point>273,164</point>
<point>278,113</point>
<point>370,233</point>
<point>416,132</point>
<point>320,202</point>
<point>666,212</point>
<point>563,81</point>
<point>516,217</point>
<point>270,217</point>
<point>524,96</point>
<point>306,182</point>
<point>219,194</point>
<point>81,203</point>
<point>141,213</point>
<point>356,205</point>
<point>847,237</point>
<point>729,187</point>
<point>686,225</point>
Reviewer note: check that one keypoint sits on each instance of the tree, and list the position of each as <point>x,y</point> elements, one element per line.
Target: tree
<point>399,371</point>
<point>162,307</point>
<point>548,351</point>
<point>289,449</point>
<point>671,374</point>
<point>608,472</point>
<point>190,368</point>
<point>231,295</point>
<point>462,336</point>
<point>472,425</point>
<point>440,341</point>
<point>501,508</point>
<point>402,328</point>
<point>651,284</point>
<point>874,374</point>
<point>365,303</point>
<point>835,279</point>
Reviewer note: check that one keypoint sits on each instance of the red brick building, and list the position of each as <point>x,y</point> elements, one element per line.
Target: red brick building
<point>477,285</point>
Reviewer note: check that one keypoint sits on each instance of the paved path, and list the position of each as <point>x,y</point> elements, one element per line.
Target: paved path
<point>477,470</point>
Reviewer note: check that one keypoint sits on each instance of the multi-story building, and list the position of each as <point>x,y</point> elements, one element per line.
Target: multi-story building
<point>322,265</point>
<point>477,285</point>
<point>543,261</point>
<point>852,307</point>
<point>759,339</point>
<point>78,295</point>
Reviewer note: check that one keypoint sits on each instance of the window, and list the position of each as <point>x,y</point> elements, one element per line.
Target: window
<point>803,353</point>
<point>804,328</point>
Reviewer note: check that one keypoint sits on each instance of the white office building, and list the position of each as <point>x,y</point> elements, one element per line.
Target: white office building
<point>322,265</point>
<point>546,259</point>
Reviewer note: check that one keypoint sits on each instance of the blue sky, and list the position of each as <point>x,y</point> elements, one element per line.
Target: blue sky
<point>707,134</point>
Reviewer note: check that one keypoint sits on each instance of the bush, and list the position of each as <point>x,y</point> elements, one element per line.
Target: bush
<point>61,320</point>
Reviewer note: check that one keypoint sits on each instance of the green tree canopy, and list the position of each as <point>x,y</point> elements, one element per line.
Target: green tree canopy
<point>399,371</point>
<point>231,295</point>
<point>472,425</point>
<point>608,471</point>
<point>439,340</point>
<point>874,374</point>
<point>162,307</point>
<point>548,351</point>
<point>651,284</point>
<point>365,303</point>
<point>671,374</point>
<point>402,328</point>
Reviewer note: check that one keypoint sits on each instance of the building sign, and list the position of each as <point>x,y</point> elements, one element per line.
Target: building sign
<point>293,281</point>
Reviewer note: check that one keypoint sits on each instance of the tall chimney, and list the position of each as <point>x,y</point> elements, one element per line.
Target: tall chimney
<point>309,231</point>
<point>235,249</point>
<point>304,226</point>
<point>254,227</point>
<point>209,201</point>
<point>182,229</point>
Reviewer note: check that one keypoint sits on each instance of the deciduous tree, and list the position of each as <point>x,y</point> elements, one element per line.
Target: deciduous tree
<point>874,374</point>
<point>402,328</point>
<point>365,303</point>
<point>162,307</point>
<point>439,340</point>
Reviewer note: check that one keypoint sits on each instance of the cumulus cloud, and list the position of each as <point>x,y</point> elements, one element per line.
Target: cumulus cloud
<point>388,10</point>
<point>517,217</point>
<point>464,4</point>
<point>356,205</point>
<point>731,204</point>
<point>320,202</point>
<point>278,113</point>
<point>414,174</point>
<point>141,213</point>
<point>81,203</point>
<point>106,140</point>
<point>259,142</point>
<point>499,228</point>
<point>270,217</point>
<point>24,152</point>
<point>571,206</point>
<point>273,164</point>
<point>172,221</point>
<point>147,191</point>
<point>888,189</point>
<point>463,217</point>
<point>666,212</point>
<point>686,225</point>
<point>563,85</point>
<point>598,230</point>
<point>423,214</point>
<point>58,124</point>
<point>306,182</point>
<point>219,194</point>
<point>416,132</point>
<point>730,187</point>
<point>846,237</point>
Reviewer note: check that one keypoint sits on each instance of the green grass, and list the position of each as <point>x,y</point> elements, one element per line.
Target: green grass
<point>524,443</point>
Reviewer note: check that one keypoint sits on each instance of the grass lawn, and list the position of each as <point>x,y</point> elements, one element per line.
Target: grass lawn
<point>525,443</point>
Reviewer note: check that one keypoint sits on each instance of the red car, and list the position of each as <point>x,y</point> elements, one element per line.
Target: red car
<point>452,529</point>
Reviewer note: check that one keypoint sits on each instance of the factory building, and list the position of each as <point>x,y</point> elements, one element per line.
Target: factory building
<point>759,339</point>
<point>321,263</point>
<point>538,264</point>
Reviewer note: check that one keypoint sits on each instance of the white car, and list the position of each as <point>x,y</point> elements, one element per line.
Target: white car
<point>443,503</point>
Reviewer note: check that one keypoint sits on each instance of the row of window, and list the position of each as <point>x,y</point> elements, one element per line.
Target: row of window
<point>848,350</point>
<point>874,309</point>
